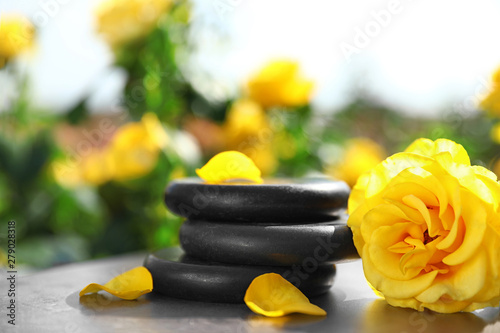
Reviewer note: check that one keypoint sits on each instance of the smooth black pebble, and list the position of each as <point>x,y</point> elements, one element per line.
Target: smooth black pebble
<point>276,200</point>
<point>266,244</point>
<point>180,276</point>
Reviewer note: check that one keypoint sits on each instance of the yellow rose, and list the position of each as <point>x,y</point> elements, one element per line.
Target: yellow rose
<point>134,149</point>
<point>132,152</point>
<point>427,226</point>
<point>279,84</point>
<point>16,35</point>
<point>121,21</point>
<point>360,155</point>
<point>247,129</point>
<point>491,103</point>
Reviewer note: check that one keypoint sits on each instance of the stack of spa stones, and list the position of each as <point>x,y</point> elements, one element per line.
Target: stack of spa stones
<point>235,232</point>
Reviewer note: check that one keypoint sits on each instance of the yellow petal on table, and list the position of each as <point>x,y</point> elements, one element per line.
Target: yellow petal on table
<point>229,165</point>
<point>129,285</point>
<point>273,296</point>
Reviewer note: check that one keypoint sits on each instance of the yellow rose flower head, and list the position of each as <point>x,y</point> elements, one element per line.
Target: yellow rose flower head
<point>360,155</point>
<point>229,165</point>
<point>247,129</point>
<point>272,295</point>
<point>279,84</point>
<point>491,103</point>
<point>427,226</point>
<point>16,35</point>
<point>121,21</point>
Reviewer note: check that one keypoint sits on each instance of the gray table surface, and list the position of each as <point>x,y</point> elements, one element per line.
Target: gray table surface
<point>48,301</point>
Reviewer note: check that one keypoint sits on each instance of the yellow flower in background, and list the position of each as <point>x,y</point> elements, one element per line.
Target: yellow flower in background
<point>129,285</point>
<point>132,152</point>
<point>279,84</point>
<point>16,35</point>
<point>247,129</point>
<point>272,295</point>
<point>427,226</point>
<point>491,103</point>
<point>135,147</point>
<point>229,165</point>
<point>495,133</point>
<point>359,156</point>
<point>95,168</point>
<point>245,118</point>
<point>121,21</point>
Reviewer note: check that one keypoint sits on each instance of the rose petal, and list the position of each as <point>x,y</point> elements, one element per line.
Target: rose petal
<point>421,259</point>
<point>454,238</point>
<point>418,204</point>
<point>273,296</point>
<point>491,183</point>
<point>463,284</point>
<point>447,218</point>
<point>381,255</point>
<point>420,183</point>
<point>407,187</point>
<point>381,175</point>
<point>229,165</point>
<point>452,188</point>
<point>393,287</point>
<point>431,148</point>
<point>479,170</point>
<point>440,306</point>
<point>474,217</point>
<point>129,285</point>
<point>357,196</point>
<point>383,215</point>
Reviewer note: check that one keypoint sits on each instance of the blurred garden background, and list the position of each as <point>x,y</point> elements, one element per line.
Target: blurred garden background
<point>102,103</point>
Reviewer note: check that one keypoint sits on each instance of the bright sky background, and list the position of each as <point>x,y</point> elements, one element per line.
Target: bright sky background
<point>429,54</point>
<point>423,57</point>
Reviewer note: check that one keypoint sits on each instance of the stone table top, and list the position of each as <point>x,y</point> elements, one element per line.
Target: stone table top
<point>47,301</point>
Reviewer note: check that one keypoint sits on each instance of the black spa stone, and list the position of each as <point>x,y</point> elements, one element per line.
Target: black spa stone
<point>268,244</point>
<point>180,276</point>
<point>276,200</point>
